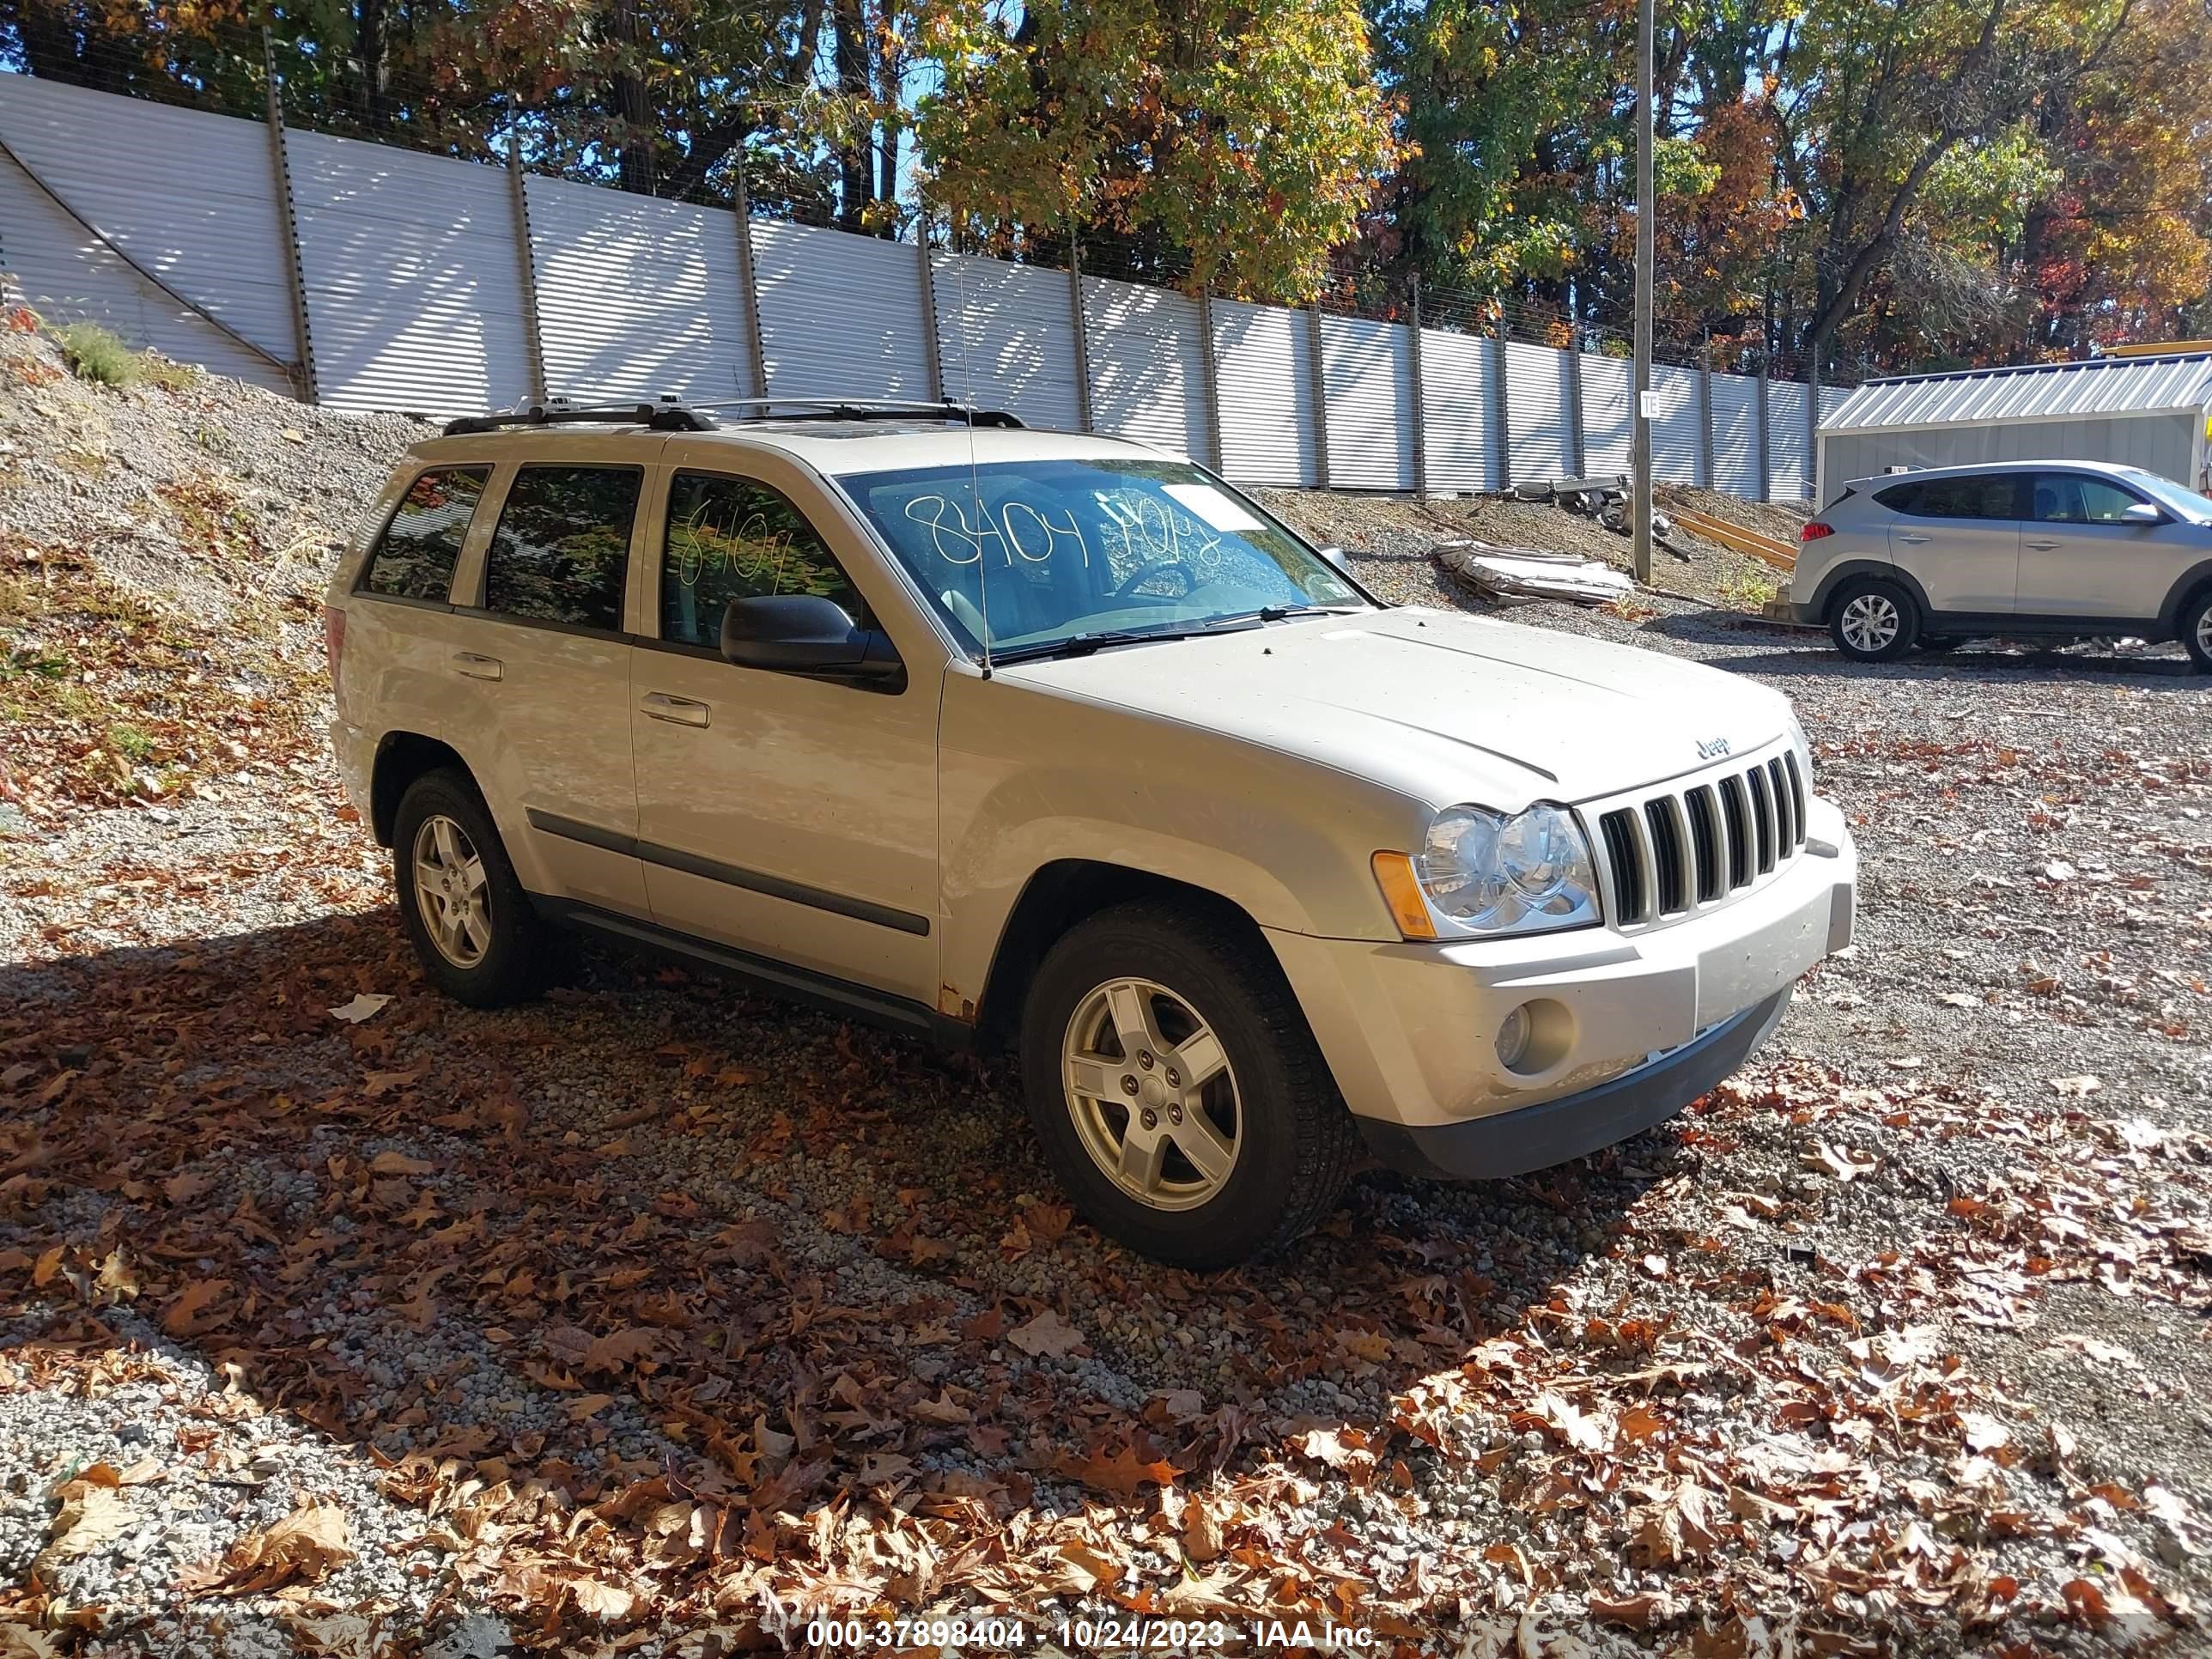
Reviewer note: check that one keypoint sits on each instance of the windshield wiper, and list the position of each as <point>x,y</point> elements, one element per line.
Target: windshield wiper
<point>1082,644</point>
<point>1275,613</point>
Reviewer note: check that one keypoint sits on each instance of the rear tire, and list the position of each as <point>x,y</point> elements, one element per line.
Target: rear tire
<point>479,939</point>
<point>2195,625</point>
<point>1872,620</point>
<point>1176,1089</point>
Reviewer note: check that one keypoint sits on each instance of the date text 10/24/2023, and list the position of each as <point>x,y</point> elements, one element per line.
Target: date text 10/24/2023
<point>1101,1636</point>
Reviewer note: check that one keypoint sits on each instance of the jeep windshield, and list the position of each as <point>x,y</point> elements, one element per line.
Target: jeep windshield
<point>1065,556</point>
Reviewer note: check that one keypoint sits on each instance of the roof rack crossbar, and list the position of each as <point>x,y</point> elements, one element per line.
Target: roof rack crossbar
<point>659,417</point>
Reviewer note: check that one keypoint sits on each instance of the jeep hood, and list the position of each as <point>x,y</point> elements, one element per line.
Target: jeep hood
<point>1443,706</point>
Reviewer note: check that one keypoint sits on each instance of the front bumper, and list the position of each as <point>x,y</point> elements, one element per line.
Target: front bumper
<point>1630,1019</point>
<point>1536,1137</point>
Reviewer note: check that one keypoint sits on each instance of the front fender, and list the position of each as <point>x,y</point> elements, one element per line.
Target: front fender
<point>1028,780</point>
<point>2169,615</point>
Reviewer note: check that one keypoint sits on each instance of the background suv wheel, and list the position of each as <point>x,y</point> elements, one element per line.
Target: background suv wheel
<point>480,941</point>
<point>1872,620</point>
<point>1175,1089</point>
<point>2196,631</point>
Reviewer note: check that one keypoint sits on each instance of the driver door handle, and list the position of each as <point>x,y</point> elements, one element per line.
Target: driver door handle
<point>676,711</point>
<point>2045,546</point>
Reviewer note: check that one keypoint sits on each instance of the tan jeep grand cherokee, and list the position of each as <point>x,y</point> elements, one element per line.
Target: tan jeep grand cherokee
<point>1054,741</point>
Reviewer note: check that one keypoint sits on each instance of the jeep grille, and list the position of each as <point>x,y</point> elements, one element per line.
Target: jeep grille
<point>1691,846</point>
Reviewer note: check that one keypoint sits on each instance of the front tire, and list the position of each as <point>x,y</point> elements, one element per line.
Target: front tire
<point>2196,631</point>
<point>1176,1089</point>
<point>1872,620</point>
<point>471,922</point>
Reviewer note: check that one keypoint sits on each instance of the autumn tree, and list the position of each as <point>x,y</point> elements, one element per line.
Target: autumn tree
<point>1238,142</point>
<point>1884,94</point>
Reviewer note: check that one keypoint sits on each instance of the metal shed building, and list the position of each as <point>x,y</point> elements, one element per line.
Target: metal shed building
<point>2147,411</point>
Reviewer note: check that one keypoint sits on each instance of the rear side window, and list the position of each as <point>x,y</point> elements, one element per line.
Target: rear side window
<point>415,556</point>
<point>2076,498</point>
<point>734,538</point>
<point>1994,496</point>
<point>561,551</point>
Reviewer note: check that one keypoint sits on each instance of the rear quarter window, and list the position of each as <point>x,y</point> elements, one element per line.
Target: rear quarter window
<point>415,557</point>
<point>1991,496</point>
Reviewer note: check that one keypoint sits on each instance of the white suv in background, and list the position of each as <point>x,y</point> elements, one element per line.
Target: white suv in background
<point>1056,742</point>
<point>2065,549</point>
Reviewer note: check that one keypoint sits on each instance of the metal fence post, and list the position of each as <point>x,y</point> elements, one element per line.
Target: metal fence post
<point>1705,413</point>
<point>929,303</point>
<point>1080,319</point>
<point>1577,440</point>
<point>1211,369</point>
<point>756,353</point>
<point>1501,416</point>
<point>1816,459</point>
<point>287,227</point>
<point>1419,406</point>
<point>1765,447</point>
<point>533,341</point>
<point>1317,370</point>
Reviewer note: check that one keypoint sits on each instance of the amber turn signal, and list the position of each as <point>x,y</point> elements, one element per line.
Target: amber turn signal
<point>1402,891</point>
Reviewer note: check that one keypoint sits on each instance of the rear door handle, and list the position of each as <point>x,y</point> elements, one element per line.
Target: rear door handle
<point>2046,547</point>
<point>676,711</point>
<point>1910,539</point>
<point>478,668</point>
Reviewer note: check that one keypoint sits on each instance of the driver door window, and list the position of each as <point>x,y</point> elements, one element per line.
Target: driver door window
<point>735,538</point>
<point>2076,498</point>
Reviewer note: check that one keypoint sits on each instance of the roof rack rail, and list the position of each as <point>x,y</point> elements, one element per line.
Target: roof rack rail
<point>669,416</point>
<point>864,409</point>
<point>659,417</point>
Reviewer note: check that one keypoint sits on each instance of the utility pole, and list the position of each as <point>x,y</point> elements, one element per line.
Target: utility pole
<point>1646,255</point>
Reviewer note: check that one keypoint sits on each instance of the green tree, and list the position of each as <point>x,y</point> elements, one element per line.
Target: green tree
<point>1239,143</point>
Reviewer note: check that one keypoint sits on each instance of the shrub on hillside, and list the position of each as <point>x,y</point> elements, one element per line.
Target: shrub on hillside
<point>94,354</point>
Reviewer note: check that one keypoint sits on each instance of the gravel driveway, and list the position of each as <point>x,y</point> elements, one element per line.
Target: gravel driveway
<point>658,1317</point>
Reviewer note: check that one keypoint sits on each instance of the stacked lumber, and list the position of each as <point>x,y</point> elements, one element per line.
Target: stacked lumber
<point>1779,554</point>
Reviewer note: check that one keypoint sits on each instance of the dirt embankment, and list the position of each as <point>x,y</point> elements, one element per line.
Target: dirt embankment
<point>1394,535</point>
<point>163,550</point>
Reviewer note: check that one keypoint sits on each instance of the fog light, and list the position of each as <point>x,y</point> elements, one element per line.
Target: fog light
<point>1513,1038</point>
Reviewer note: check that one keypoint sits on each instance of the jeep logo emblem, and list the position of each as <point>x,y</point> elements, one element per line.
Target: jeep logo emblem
<point>1712,748</point>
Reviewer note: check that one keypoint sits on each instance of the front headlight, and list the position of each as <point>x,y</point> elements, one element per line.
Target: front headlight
<point>1485,873</point>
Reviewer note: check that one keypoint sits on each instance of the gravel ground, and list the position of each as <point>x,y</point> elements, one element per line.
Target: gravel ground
<point>657,1314</point>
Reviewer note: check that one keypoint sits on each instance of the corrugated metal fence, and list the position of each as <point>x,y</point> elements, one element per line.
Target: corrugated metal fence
<point>371,278</point>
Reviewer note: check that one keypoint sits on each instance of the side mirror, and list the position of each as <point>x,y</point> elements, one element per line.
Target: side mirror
<point>805,634</point>
<point>1335,557</point>
<point>2141,512</point>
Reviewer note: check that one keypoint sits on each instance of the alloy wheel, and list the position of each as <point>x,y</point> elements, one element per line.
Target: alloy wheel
<point>451,891</point>
<point>1870,621</point>
<point>1152,1095</point>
